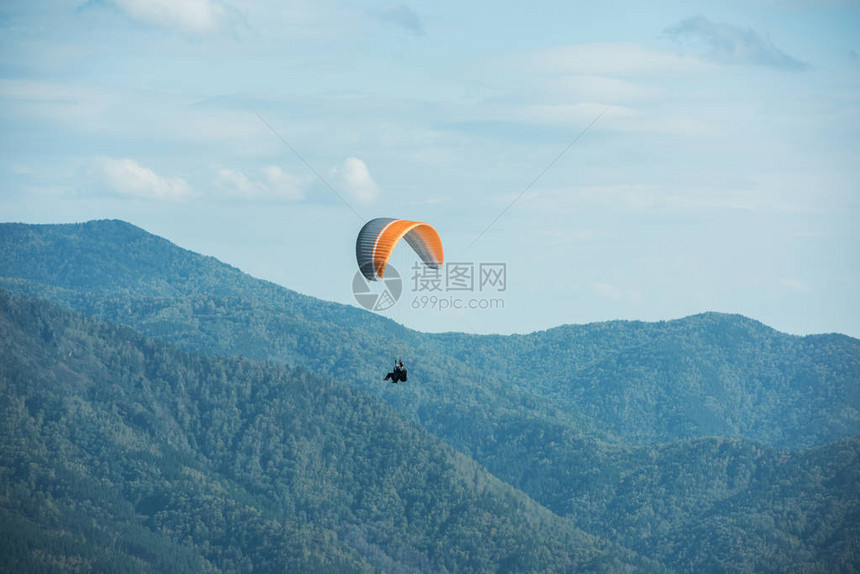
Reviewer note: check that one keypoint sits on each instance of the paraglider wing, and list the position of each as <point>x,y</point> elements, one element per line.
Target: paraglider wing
<point>378,237</point>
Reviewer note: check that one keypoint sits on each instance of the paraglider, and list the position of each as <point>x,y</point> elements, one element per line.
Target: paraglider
<point>398,374</point>
<point>378,237</point>
<point>375,244</point>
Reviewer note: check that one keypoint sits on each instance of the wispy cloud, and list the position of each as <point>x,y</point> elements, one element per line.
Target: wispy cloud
<point>22,170</point>
<point>566,86</point>
<point>618,118</point>
<point>609,59</point>
<point>64,103</point>
<point>588,88</point>
<point>727,44</point>
<point>794,284</point>
<point>642,197</point>
<point>127,177</point>
<point>615,293</point>
<point>401,15</point>
<point>195,16</point>
<point>567,235</point>
<point>275,184</point>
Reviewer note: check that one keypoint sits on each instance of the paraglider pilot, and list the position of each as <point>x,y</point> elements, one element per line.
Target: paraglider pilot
<point>399,373</point>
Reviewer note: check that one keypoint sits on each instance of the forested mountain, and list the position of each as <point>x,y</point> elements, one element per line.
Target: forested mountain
<point>120,453</point>
<point>682,440</point>
<point>709,374</point>
<point>705,375</point>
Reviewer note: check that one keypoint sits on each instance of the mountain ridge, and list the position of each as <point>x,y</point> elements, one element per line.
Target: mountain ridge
<point>586,373</point>
<point>15,233</point>
<point>592,407</point>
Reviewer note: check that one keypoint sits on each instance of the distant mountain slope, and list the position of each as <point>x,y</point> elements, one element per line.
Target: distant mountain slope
<point>702,505</point>
<point>705,375</point>
<point>218,310</point>
<point>710,374</point>
<point>119,452</point>
<point>112,257</point>
<point>581,418</point>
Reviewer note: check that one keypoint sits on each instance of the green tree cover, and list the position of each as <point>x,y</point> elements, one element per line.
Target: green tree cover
<point>710,374</point>
<point>644,383</point>
<point>124,454</point>
<point>700,505</point>
<point>552,413</point>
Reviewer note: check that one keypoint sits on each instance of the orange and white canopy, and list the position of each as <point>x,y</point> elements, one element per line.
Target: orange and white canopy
<point>378,237</point>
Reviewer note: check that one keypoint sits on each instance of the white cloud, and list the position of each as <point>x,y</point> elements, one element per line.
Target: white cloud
<point>238,184</point>
<point>127,177</point>
<point>275,184</point>
<point>354,178</point>
<point>283,184</point>
<point>197,16</point>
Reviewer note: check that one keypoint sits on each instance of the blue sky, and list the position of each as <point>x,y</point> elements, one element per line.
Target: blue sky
<point>722,175</point>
